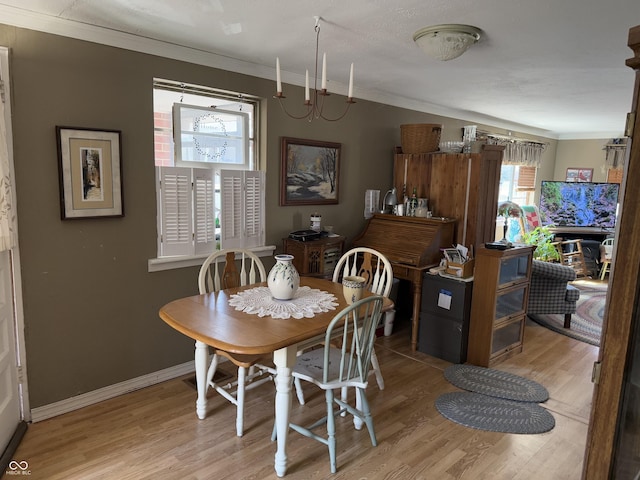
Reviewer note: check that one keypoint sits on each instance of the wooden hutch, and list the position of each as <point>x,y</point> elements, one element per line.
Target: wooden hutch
<point>462,186</point>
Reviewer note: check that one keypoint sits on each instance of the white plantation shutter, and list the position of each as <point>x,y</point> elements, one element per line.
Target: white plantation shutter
<point>254,209</point>
<point>231,208</point>
<point>242,208</point>
<point>176,230</point>
<point>204,210</point>
<point>188,210</point>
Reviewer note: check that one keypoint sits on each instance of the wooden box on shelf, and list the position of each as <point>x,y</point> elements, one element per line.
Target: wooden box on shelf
<point>316,258</point>
<point>499,304</point>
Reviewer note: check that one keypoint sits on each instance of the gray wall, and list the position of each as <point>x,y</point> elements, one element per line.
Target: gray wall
<point>90,305</point>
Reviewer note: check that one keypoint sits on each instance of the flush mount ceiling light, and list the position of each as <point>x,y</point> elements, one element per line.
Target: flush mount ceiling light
<point>446,42</point>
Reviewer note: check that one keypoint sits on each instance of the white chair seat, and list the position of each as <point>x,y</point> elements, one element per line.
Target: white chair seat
<point>309,367</point>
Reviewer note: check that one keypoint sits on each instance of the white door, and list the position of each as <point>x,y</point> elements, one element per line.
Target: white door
<point>9,390</point>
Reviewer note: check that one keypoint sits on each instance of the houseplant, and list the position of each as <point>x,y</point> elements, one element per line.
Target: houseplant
<point>542,238</point>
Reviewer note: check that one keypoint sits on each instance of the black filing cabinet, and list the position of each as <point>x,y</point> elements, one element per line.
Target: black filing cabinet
<point>444,317</point>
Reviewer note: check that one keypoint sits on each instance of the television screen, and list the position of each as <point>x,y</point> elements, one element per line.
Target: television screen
<point>579,204</point>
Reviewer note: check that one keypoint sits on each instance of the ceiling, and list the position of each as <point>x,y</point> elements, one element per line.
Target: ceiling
<point>544,67</point>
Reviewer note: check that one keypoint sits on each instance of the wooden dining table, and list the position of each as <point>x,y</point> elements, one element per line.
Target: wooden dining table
<point>210,320</point>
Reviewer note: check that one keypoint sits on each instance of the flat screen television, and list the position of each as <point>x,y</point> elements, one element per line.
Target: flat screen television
<point>579,204</point>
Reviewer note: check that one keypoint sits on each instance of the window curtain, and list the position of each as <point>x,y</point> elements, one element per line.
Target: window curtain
<point>8,227</point>
<point>519,152</point>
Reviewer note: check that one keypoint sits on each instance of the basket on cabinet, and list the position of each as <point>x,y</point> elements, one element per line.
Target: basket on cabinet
<point>420,137</point>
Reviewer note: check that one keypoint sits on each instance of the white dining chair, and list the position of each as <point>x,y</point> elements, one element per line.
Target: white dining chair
<point>606,254</point>
<point>334,368</point>
<point>219,271</point>
<point>378,273</point>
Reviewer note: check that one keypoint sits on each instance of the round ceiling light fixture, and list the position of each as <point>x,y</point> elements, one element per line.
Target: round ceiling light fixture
<point>446,42</point>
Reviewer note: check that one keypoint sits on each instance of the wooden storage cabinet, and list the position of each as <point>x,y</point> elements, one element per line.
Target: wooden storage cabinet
<point>463,186</point>
<point>499,304</point>
<point>315,258</point>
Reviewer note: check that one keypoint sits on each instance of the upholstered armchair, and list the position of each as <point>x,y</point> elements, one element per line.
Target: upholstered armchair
<point>550,292</point>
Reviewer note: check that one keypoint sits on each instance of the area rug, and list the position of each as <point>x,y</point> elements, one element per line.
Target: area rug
<point>483,412</point>
<point>586,323</point>
<point>495,383</point>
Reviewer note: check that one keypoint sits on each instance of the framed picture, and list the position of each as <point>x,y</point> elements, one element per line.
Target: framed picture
<point>90,171</point>
<point>579,174</point>
<point>310,172</point>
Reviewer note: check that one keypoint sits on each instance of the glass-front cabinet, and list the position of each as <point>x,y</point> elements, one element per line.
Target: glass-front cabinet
<point>499,304</point>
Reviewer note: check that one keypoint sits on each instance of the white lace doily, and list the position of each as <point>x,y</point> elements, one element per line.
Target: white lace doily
<point>305,303</point>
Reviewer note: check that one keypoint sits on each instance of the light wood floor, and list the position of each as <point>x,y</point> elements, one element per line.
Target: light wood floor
<point>154,433</point>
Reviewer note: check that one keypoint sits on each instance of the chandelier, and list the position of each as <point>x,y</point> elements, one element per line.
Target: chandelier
<point>314,100</point>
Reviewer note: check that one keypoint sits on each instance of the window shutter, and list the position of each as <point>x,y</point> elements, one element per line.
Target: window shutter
<point>204,210</point>
<point>231,208</point>
<point>242,195</point>
<point>254,230</point>
<point>175,190</point>
<point>526,178</point>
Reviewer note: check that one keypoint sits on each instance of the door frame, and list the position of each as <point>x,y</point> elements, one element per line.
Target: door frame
<point>623,297</point>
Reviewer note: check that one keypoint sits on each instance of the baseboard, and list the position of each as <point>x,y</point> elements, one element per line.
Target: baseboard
<point>90,398</point>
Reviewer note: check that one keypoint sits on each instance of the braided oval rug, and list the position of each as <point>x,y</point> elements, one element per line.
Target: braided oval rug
<point>483,412</point>
<point>496,383</point>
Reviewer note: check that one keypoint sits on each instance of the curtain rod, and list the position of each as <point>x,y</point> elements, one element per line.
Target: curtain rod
<point>509,137</point>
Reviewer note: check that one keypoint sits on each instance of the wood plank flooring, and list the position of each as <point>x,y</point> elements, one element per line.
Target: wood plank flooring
<point>154,433</point>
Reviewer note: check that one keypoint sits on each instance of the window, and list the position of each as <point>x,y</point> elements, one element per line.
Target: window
<point>517,184</point>
<point>210,194</point>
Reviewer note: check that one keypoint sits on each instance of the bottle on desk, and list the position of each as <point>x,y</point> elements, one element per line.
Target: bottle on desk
<point>413,204</point>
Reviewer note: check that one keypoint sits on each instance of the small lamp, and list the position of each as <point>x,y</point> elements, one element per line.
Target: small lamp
<point>508,210</point>
<point>390,200</point>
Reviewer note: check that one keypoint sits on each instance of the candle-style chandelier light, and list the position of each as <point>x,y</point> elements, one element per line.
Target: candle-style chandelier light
<point>314,101</point>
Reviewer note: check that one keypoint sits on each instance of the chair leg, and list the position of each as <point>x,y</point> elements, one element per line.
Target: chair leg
<point>331,430</point>
<point>603,270</point>
<point>299,392</point>
<point>368,419</point>
<point>567,320</point>
<point>357,421</point>
<point>242,375</point>
<point>375,366</point>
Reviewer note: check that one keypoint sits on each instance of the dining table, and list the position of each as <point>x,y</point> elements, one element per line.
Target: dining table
<point>246,321</point>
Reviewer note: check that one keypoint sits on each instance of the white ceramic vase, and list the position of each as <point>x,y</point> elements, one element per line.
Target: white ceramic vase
<point>283,280</point>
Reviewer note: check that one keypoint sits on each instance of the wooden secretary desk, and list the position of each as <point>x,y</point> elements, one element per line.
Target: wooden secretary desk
<point>412,245</point>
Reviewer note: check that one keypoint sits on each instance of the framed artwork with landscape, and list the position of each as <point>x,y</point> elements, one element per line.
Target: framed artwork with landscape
<point>90,173</point>
<point>310,172</point>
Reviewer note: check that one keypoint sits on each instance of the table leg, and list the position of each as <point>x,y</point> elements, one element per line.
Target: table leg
<point>201,360</point>
<point>285,360</point>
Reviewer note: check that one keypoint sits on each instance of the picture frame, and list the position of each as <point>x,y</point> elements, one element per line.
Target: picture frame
<point>310,172</point>
<point>579,175</point>
<point>90,173</point>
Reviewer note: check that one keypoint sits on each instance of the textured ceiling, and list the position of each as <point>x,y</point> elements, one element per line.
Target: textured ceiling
<point>546,67</point>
